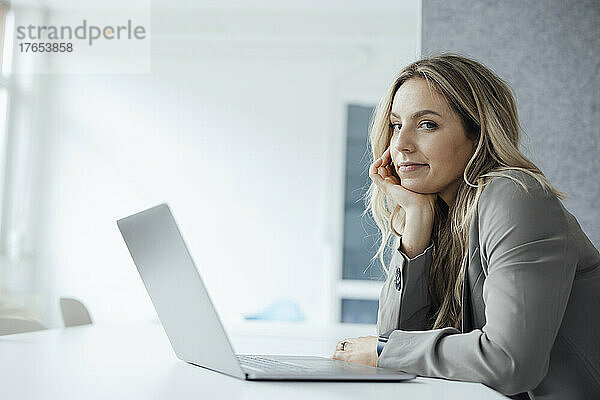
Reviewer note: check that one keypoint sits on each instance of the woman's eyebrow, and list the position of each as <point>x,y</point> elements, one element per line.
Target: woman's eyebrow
<point>417,114</point>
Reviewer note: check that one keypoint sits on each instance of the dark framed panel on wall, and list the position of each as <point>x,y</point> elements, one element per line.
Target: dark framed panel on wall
<point>360,278</point>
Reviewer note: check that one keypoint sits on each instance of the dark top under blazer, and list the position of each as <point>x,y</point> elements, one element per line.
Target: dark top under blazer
<point>531,302</point>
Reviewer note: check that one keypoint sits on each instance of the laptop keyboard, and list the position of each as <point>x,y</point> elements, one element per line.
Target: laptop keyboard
<point>268,364</point>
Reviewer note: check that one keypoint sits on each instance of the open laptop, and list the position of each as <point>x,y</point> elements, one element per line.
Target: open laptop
<point>192,323</point>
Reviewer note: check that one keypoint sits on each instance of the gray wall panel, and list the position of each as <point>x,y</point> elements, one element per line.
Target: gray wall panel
<point>549,53</point>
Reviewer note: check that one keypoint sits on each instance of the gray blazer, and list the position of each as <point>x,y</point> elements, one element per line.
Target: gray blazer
<point>531,302</point>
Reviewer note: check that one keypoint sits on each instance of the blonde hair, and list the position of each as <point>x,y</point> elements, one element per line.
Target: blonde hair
<point>488,112</point>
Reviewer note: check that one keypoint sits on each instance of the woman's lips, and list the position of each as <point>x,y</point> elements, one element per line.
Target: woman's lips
<point>410,168</point>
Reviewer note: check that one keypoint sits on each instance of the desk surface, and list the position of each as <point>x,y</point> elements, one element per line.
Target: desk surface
<point>137,362</point>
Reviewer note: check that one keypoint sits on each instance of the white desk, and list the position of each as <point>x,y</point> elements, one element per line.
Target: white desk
<point>137,362</point>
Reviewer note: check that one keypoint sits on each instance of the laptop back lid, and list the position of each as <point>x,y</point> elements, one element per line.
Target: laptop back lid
<point>177,291</point>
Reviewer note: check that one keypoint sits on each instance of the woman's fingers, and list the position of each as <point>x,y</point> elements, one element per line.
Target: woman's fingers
<point>374,168</point>
<point>388,170</point>
<point>341,345</point>
<point>387,156</point>
<point>376,177</point>
<point>386,166</point>
<point>392,180</point>
<point>343,349</point>
<point>391,172</point>
<point>382,176</point>
<point>383,172</point>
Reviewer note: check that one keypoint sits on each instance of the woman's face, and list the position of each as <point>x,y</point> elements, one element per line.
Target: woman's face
<point>436,140</point>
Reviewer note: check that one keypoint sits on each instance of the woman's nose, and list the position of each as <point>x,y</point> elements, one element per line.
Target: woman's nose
<point>402,142</point>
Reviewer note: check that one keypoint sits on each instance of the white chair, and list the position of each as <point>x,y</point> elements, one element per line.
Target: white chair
<point>10,325</point>
<point>74,313</point>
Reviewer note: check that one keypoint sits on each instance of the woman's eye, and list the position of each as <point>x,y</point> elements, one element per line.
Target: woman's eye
<point>433,124</point>
<point>396,127</point>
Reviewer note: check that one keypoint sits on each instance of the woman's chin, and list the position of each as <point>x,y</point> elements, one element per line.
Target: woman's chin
<point>416,187</point>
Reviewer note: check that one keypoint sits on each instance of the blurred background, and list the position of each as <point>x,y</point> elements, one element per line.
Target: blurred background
<point>252,125</point>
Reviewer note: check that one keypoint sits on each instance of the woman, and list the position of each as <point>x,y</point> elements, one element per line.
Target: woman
<point>492,280</point>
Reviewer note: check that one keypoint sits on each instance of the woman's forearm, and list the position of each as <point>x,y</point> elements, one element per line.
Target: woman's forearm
<point>417,232</point>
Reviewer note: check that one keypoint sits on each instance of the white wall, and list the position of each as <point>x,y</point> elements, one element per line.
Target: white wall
<point>239,127</point>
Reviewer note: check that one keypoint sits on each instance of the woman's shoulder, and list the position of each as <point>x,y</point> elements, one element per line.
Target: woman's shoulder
<point>513,184</point>
<point>516,193</point>
<point>517,209</point>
